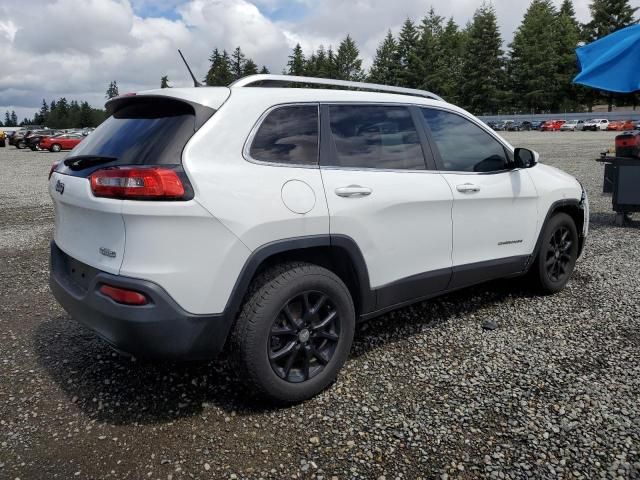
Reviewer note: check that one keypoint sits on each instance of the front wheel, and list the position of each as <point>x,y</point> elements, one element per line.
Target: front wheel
<point>294,332</point>
<point>55,148</point>
<point>557,256</point>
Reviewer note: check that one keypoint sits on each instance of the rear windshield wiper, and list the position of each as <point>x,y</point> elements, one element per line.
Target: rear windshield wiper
<point>84,161</point>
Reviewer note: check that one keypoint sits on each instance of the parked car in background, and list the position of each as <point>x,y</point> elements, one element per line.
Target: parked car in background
<point>537,124</point>
<point>33,139</point>
<point>499,126</point>
<point>552,125</point>
<point>596,124</point>
<point>572,126</point>
<point>514,126</point>
<point>17,140</point>
<point>526,126</point>
<point>621,125</point>
<point>3,139</point>
<point>65,141</point>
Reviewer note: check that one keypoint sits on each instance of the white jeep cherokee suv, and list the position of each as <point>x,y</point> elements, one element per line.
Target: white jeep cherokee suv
<point>272,219</point>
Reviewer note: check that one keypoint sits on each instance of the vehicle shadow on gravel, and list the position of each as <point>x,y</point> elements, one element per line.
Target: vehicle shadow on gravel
<point>110,387</point>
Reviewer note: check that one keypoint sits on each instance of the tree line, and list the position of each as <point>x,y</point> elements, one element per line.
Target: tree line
<point>60,114</point>
<point>467,65</point>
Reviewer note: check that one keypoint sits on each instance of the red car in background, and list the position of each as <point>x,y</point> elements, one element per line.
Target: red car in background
<point>621,125</point>
<point>552,125</point>
<point>66,141</point>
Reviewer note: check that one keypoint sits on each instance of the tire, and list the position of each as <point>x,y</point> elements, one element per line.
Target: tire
<point>55,148</point>
<point>274,365</point>
<point>20,145</point>
<point>2,143</point>
<point>557,257</point>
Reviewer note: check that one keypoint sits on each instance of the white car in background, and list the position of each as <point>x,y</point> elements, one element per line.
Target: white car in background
<point>572,126</point>
<point>596,124</point>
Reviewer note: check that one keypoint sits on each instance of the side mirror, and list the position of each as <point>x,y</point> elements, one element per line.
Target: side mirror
<point>525,158</point>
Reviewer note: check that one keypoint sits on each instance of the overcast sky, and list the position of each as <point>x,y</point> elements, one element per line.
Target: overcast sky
<point>74,48</point>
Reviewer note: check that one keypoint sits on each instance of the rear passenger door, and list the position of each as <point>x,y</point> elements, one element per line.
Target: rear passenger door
<point>495,205</point>
<point>383,192</point>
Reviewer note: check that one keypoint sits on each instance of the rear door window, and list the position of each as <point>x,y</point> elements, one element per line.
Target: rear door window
<point>375,136</point>
<point>288,135</point>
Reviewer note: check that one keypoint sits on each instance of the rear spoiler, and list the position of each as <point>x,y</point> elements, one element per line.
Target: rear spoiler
<point>201,112</point>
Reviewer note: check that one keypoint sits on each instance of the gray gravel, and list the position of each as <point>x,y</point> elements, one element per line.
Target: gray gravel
<point>552,392</point>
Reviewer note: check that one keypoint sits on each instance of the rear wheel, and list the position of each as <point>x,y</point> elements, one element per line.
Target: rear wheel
<point>55,147</point>
<point>20,145</point>
<point>558,254</point>
<point>294,332</point>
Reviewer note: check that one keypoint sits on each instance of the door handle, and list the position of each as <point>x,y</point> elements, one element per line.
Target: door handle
<point>353,191</point>
<point>468,188</point>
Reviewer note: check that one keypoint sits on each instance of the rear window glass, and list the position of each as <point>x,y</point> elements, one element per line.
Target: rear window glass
<point>143,132</point>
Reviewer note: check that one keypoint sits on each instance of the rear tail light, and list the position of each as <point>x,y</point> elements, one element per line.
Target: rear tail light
<point>54,165</point>
<point>141,183</point>
<point>124,296</point>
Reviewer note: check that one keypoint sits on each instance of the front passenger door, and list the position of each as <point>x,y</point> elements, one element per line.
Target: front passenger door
<point>494,204</point>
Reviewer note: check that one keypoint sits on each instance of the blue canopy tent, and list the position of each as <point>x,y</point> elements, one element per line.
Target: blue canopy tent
<point>612,63</point>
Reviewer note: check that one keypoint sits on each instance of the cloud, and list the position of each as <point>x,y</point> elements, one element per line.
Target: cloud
<point>74,48</point>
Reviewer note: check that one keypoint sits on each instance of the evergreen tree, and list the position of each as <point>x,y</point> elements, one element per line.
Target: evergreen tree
<point>408,61</point>
<point>249,68</point>
<point>430,51</point>
<point>608,16</point>
<point>331,63</point>
<point>482,63</point>
<point>164,82</point>
<point>112,90</point>
<point>14,119</point>
<point>264,70</point>
<point>43,114</point>
<point>535,59</point>
<point>7,119</point>
<point>219,73</point>
<point>296,63</point>
<point>567,38</point>
<point>447,75</point>
<point>384,69</point>
<point>237,63</point>
<point>348,65</point>
<point>86,116</point>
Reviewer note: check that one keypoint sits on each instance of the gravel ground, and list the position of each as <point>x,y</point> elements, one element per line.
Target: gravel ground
<point>553,392</point>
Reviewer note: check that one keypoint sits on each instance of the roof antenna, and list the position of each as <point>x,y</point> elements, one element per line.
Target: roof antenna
<point>195,82</point>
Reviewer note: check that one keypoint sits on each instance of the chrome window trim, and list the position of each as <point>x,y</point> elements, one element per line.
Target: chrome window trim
<point>246,149</point>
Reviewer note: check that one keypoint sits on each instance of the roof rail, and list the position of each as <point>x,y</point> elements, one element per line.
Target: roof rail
<point>274,80</point>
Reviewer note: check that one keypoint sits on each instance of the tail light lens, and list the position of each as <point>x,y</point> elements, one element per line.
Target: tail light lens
<point>54,165</point>
<point>141,183</point>
<point>124,296</point>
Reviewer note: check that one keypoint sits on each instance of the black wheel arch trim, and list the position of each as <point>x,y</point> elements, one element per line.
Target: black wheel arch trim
<point>263,253</point>
<point>553,209</point>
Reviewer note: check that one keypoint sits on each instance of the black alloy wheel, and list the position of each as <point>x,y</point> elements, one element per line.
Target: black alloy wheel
<point>558,254</point>
<point>304,336</point>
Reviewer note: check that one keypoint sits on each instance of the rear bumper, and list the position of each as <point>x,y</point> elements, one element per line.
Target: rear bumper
<point>160,329</point>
